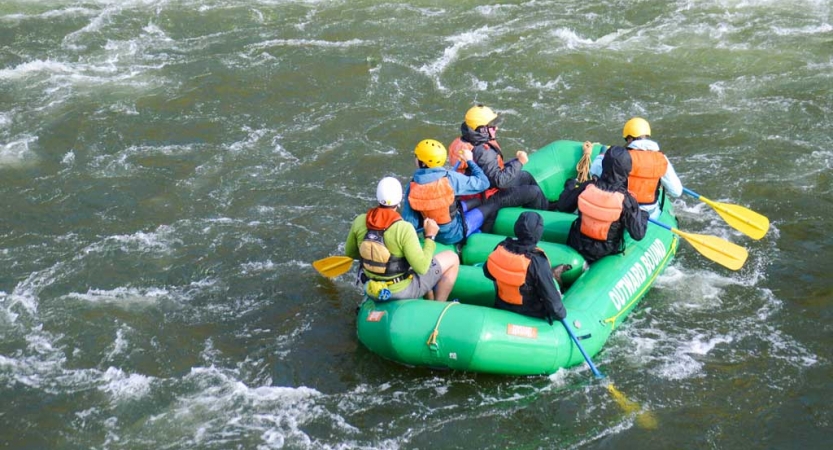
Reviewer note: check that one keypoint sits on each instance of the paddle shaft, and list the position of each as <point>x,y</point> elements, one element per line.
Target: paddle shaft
<point>660,224</point>
<point>581,349</point>
<point>691,193</point>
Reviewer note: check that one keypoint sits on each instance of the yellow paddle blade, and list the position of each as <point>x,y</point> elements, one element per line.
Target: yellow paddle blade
<point>644,419</point>
<point>333,266</point>
<point>742,219</point>
<point>721,251</point>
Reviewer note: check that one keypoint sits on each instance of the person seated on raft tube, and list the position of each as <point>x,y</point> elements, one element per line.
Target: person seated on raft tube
<point>508,184</point>
<point>433,193</point>
<point>651,168</point>
<point>394,264</point>
<point>521,273</point>
<point>605,209</point>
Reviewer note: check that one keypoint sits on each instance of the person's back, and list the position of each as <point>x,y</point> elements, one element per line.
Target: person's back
<point>508,184</point>
<point>394,264</point>
<point>434,193</point>
<point>521,273</point>
<point>606,210</point>
<point>650,168</point>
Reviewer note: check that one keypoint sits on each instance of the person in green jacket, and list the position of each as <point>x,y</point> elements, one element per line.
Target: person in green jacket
<point>394,264</point>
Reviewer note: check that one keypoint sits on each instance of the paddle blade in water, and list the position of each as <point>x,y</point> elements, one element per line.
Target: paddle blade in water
<point>333,266</point>
<point>644,419</point>
<point>742,219</point>
<point>721,251</point>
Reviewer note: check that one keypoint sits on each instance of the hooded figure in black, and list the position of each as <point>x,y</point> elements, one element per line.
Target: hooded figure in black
<point>521,271</point>
<point>592,234</point>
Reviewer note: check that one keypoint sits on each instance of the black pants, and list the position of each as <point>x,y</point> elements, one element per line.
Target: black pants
<point>524,196</point>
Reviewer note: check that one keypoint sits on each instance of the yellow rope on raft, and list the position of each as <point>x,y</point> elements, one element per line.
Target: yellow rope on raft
<point>583,166</point>
<point>432,340</point>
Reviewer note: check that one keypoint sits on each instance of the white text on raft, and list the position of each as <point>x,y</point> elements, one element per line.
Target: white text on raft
<point>636,276</point>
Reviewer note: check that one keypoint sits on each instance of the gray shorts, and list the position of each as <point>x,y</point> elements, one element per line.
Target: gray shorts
<point>421,284</point>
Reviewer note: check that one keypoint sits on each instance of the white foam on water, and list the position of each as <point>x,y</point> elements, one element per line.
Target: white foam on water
<point>807,169</point>
<point>125,296</point>
<point>122,163</point>
<point>702,345</point>
<point>215,407</point>
<point>120,344</point>
<point>18,152</point>
<point>606,432</point>
<point>68,159</point>
<point>258,267</point>
<point>284,343</point>
<point>124,387</point>
<point>31,68</point>
<point>802,31</point>
<point>571,40</point>
<point>51,14</point>
<point>459,43</point>
<point>699,290</point>
<point>160,241</point>
<point>305,43</point>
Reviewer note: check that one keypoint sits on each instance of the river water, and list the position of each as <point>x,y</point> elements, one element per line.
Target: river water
<point>171,168</point>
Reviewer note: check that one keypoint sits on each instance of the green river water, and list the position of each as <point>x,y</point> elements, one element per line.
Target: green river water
<point>170,169</point>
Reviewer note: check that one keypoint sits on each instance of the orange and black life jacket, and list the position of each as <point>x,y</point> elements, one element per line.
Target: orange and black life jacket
<point>509,270</point>
<point>434,200</point>
<point>644,180</point>
<point>599,210</point>
<point>455,150</point>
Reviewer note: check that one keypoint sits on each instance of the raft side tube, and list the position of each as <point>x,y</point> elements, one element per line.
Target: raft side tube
<point>555,163</point>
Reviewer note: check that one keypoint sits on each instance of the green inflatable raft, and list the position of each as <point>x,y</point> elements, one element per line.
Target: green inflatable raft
<point>471,335</point>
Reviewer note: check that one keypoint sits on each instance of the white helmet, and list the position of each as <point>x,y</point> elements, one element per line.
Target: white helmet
<point>389,191</point>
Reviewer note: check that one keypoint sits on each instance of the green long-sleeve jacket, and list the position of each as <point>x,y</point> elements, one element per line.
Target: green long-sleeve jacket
<point>401,240</point>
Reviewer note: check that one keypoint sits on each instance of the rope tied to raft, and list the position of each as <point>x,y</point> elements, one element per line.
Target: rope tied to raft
<point>432,340</point>
<point>583,166</point>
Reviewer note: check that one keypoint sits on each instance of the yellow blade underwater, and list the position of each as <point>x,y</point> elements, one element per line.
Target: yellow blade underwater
<point>721,251</point>
<point>742,219</point>
<point>333,266</point>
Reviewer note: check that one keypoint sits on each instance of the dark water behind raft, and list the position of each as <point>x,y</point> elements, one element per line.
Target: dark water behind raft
<point>170,169</point>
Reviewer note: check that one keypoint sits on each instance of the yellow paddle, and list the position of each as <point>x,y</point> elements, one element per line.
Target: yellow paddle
<point>742,219</point>
<point>721,251</point>
<point>645,419</point>
<point>333,266</point>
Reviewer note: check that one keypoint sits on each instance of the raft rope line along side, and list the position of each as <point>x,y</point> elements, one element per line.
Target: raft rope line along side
<point>612,320</point>
<point>432,340</point>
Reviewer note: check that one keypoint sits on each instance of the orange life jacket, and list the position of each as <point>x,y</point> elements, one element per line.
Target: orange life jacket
<point>509,270</point>
<point>647,169</point>
<point>455,151</point>
<point>599,209</point>
<point>434,200</point>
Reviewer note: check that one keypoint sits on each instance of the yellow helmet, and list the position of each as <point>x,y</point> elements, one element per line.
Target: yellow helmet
<point>636,127</point>
<point>480,115</point>
<point>431,153</point>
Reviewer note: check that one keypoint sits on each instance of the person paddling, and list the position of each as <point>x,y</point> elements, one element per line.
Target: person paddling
<point>394,265</point>
<point>524,282</point>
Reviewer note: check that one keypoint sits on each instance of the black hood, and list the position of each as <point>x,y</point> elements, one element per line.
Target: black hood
<point>473,137</point>
<point>616,166</point>
<point>529,228</point>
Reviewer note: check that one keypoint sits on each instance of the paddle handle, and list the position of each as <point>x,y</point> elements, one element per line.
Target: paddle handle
<point>581,349</point>
<point>691,193</point>
<point>660,224</point>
